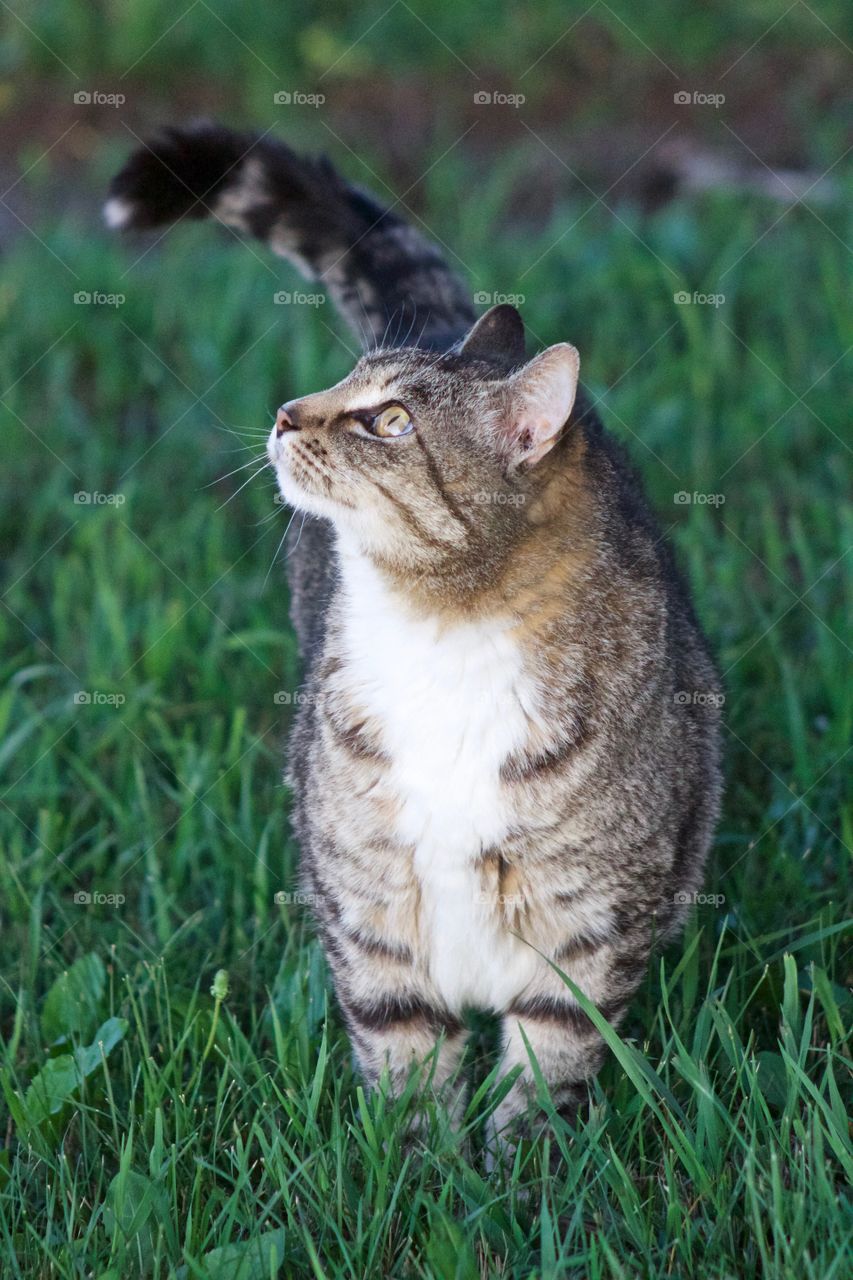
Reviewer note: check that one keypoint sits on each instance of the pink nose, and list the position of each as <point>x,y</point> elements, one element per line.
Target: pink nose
<point>284,422</point>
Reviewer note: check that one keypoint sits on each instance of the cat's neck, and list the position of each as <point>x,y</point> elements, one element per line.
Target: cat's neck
<point>531,577</point>
<point>539,579</point>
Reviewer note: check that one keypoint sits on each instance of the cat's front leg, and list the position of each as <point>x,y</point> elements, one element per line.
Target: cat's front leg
<point>547,1021</point>
<point>397,1023</point>
<point>398,1032</point>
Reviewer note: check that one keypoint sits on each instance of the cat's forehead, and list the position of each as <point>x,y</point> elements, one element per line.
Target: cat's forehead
<point>380,371</point>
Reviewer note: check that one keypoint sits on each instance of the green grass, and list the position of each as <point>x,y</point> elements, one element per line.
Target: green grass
<point>716,1146</point>
<point>382,37</point>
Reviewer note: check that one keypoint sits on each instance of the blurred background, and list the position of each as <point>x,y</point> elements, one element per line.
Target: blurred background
<point>665,185</point>
<point>400,83</point>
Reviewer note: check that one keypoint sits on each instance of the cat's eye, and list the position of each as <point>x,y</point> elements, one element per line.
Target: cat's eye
<point>390,422</point>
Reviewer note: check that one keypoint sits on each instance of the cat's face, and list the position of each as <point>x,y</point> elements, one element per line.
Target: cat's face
<point>419,457</point>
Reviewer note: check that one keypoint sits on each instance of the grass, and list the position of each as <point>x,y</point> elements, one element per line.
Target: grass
<point>378,37</point>
<point>223,1133</point>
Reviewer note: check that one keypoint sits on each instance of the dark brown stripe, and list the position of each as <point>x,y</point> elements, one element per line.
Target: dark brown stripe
<point>570,1016</point>
<point>522,768</point>
<point>329,667</point>
<point>436,477</point>
<point>409,518</point>
<point>567,1096</point>
<point>353,739</point>
<point>583,944</point>
<point>374,946</point>
<point>567,899</point>
<point>392,1010</point>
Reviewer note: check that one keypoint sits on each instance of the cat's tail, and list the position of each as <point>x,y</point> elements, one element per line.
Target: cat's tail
<point>390,282</point>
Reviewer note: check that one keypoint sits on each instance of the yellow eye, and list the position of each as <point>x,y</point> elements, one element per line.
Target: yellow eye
<point>393,421</point>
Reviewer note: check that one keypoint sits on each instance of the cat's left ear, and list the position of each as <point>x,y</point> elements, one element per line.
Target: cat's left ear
<point>498,335</point>
<point>539,401</point>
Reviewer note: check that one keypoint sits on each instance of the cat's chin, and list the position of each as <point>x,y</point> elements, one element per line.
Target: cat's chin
<point>300,498</point>
<point>359,531</point>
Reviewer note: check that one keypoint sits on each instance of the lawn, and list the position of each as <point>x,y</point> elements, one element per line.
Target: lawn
<point>148,673</point>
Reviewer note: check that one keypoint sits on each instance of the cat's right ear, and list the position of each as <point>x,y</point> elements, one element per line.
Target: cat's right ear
<point>498,336</point>
<point>540,399</point>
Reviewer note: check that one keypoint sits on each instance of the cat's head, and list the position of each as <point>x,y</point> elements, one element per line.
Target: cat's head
<point>423,460</point>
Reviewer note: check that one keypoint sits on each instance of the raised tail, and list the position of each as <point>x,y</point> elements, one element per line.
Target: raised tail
<point>390,283</point>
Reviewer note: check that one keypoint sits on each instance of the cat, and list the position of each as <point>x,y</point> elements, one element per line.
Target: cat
<point>506,759</point>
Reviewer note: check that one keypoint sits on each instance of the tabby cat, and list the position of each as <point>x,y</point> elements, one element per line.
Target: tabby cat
<point>506,759</point>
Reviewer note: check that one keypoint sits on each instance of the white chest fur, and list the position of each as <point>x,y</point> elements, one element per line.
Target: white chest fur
<point>448,700</point>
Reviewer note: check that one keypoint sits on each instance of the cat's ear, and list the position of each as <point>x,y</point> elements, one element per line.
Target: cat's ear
<point>540,398</point>
<point>497,335</point>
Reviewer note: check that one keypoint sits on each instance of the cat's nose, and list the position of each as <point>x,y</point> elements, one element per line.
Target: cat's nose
<point>285,420</point>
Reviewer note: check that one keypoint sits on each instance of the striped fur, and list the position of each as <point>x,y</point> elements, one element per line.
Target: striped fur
<point>385,277</point>
<point>506,757</point>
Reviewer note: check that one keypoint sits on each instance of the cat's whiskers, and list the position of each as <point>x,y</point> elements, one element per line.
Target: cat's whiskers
<point>273,515</point>
<point>298,536</point>
<point>280,545</point>
<point>244,433</point>
<point>245,482</point>
<point>243,466</point>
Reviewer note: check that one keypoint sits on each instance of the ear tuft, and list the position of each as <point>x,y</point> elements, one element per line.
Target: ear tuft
<point>497,336</point>
<point>541,398</point>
